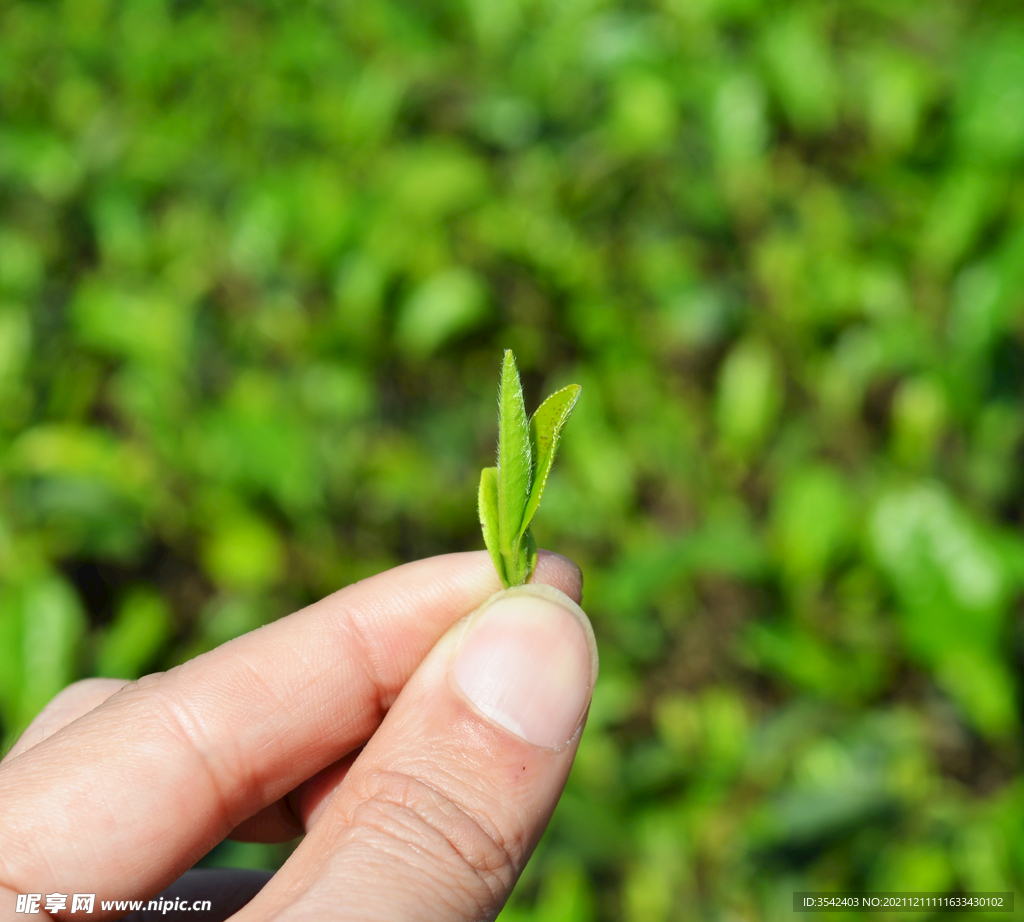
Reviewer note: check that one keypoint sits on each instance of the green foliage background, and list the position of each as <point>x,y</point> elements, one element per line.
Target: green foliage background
<point>258,262</point>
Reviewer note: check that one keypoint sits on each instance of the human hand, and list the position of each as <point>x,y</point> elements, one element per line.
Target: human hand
<point>468,728</point>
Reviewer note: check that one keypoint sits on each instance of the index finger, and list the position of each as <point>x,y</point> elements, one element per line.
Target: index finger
<point>126,798</point>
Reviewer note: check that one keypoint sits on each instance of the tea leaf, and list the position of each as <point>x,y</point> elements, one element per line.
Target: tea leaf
<point>510,493</point>
<point>488,507</point>
<point>515,465</point>
<point>545,431</point>
<point>527,557</point>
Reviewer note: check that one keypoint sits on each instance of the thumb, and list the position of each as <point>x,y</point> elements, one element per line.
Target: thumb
<point>439,813</point>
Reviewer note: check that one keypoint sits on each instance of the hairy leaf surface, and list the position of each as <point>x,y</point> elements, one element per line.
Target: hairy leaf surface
<point>545,431</point>
<point>510,493</point>
<point>488,508</point>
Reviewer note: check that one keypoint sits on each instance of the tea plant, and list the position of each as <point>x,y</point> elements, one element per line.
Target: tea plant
<point>510,493</point>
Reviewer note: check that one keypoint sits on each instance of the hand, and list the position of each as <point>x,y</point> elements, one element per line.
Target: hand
<point>468,728</point>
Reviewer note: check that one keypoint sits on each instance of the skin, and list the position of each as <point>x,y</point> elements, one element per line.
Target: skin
<point>340,721</point>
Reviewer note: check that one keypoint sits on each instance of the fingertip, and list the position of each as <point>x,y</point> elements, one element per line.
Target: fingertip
<point>527,661</point>
<point>560,572</point>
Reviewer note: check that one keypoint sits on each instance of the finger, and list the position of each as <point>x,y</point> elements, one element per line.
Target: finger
<point>287,818</point>
<point>439,813</point>
<point>283,820</point>
<point>164,769</point>
<point>67,706</point>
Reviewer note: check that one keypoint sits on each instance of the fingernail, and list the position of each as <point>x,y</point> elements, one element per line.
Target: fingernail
<point>528,661</point>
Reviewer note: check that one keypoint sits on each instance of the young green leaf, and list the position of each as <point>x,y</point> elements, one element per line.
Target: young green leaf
<point>488,506</point>
<point>510,493</point>
<point>515,466</point>
<point>545,431</point>
<point>527,562</point>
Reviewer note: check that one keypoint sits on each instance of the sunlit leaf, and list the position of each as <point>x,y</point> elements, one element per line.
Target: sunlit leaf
<point>545,431</point>
<point>488,507</point>
<point>509,494</point>
<point>515,463</point>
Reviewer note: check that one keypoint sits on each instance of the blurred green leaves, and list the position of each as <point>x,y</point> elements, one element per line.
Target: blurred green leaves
<point>443,306</point>
<point>799,61</point>
<point>953,585</point>
<point>812,520</point>
<point>242,552</point>
<point>41,628</point>
<point>992,97</point>
<point>749,397</point>
<point>257,266</point>
<point>141,628</point>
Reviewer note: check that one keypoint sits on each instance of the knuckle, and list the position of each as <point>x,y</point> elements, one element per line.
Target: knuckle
<point>216,776</point>
<point>408,815</point>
